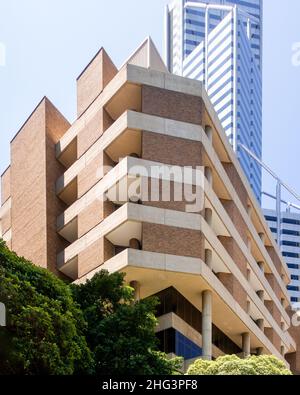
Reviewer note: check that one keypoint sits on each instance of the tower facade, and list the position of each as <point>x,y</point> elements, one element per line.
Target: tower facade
<point>220,44</point>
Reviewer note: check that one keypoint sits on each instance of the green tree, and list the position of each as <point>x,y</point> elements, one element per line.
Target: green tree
<point>45,332</point>
<point>232,365</point>
<point>120,331</point>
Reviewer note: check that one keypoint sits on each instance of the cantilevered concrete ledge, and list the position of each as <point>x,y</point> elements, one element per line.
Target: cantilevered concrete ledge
<point>133,76</point>
<point>190,276</point>
<point>131,168</point>
<point>130,212</point>
<point>128,128</point>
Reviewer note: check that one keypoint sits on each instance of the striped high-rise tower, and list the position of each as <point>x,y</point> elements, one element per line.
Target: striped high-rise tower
<point>219,42</point>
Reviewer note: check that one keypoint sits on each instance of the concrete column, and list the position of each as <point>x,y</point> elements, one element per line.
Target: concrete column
<point>207,325</point>
<point>208,216</point>
<point>248,307</point>
<point>259,351</point>
<point>246,346</point>
<point>261,324</point>
<point>209,133</point>
<point>249,210</point>
<point>137,287</point>
<point>282,350</point>
<point>261,265</point>
<point>208,258</point>
<point>261,295</point>
<point>208,175</point>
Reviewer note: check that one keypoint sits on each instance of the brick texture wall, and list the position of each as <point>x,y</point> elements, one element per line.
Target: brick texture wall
<point>173,241</point>
<point>273,337</point>
<point>94,256</point>
<point>173,105</point>
<point>274,284</point>
<point>34,171</point>
<point>93,172</point>
<point>93,80</point>
<point>176,196</point>
<point>236,254</point>
<point>237,183</point>
<point>92,131</point>
<point>275,259</point>
<point>235,288</point>
<point>270,305</point>
<point>236,218</point>
<point>171,150</point>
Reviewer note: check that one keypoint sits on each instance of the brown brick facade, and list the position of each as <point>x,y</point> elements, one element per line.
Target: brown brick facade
<point>173,241</point>
<point>236,218</point>
<point>237,183</point>
<point>94,256</point>
<point>34,172</point>
<point>236,254</point>
<point>171,150</point>
<point>172,105</point>
<point>235,288</point>
<point>93,80</point>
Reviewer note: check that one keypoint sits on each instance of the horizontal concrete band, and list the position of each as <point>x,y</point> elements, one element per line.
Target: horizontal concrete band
<point>142,260</point>
<point>131,167</point>
<point>130,212</point>
<point>130,120</point>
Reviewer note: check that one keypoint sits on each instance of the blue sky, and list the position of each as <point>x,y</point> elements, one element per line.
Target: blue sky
<point>49,42</point>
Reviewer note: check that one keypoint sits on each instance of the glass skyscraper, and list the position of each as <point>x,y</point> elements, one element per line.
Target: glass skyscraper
<point>219,42</point>
<point>290,246</point>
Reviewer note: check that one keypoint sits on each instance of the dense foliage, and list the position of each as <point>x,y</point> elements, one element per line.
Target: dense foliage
<point>45,331</point>
<point>121,332</point>
<point>56,328</point>
<point>232,365</point>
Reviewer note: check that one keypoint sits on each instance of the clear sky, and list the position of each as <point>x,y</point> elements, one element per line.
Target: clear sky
<point>49,42</point>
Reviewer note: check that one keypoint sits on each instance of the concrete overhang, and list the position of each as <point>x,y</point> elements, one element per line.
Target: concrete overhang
<point>190,276</point>
<point>124,93</point>
<point>123,139</point>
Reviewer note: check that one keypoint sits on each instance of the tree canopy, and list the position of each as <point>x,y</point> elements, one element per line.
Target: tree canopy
<point>265,365</point>
<point>54,328</point>
<point>45,332</point>
<point>121,331</point>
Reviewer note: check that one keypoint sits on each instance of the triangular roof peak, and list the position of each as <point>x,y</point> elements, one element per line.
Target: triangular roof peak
<point>147,55</point>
